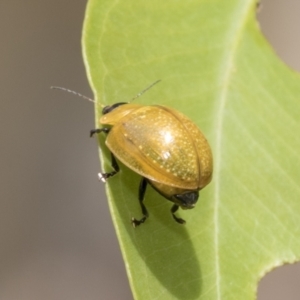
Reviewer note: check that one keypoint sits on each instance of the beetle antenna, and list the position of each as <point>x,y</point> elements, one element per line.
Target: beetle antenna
<point>145,90</point>
<point>73,92</point>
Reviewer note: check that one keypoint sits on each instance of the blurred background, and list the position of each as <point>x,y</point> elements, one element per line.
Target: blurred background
<point>56,233</point>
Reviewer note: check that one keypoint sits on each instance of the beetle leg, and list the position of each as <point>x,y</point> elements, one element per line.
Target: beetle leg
<point>98,130</point>
<point>104,176</point>
<point>114,164</point>
<point>173,210</point>
<point>142,191</point>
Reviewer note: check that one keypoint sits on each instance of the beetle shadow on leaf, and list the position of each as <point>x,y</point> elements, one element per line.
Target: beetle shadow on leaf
<point>164,245</point>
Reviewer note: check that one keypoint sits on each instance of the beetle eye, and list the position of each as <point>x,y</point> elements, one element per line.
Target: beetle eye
<point>107,109</point>
<point>187,200</point>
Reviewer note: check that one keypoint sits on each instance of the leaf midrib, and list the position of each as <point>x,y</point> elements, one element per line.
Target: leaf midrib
<point>233,41</point>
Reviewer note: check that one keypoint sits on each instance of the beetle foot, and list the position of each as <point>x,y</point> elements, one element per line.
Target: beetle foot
<point>94,131</point>
<point>102,177</point>
<point>135,222</point>
<point>98,130</point>
<point>173,210</point>
<point>178,220</point>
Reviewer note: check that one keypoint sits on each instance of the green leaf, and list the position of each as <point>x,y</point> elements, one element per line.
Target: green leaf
<point>217,68</point>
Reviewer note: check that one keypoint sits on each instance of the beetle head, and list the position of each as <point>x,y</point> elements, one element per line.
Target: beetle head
<point>186,200</point>
<point>107,109</point>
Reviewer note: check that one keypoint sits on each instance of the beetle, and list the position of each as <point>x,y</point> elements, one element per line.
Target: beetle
<point>163,146</point>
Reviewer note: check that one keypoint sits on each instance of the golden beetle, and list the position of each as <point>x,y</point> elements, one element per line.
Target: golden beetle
<point>163,146</point>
